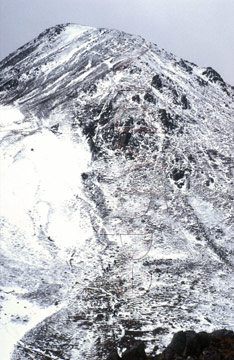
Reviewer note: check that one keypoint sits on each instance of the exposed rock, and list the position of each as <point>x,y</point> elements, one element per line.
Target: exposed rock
<point>11,84</point>
<point>175,96</point>
<point>55,128</point>
<point>204,339</point>
<point>136,98</point>
<point>178,343</point>
<point>166,119</point>
<point>223,332</point>
<point>150,98</point>
<point>189,345</point>
<point>201,81</point>
<point>214,77</point>
<point>84,176</point>
<point>185,65</point>
<point>202,346</point>
<point>184,101</point>
<point>137,352</point>
<point>156,82</point>
<point>114,356</point>
<point>177,174</point>
<point>105,115</point>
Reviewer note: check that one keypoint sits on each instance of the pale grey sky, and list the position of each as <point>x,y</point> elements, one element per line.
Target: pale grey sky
<point>201,31</point>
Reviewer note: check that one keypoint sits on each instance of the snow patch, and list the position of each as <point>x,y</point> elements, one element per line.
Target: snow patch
<point>74,31</point>
<point>206,213</point>
<point>49,169</point>
<point>17,317</point>
<point>9,115</point>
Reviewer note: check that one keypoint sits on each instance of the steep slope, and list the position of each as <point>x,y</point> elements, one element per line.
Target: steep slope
<point>121,165</point>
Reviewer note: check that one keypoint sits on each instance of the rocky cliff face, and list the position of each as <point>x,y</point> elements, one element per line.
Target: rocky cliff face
<point>117,195</point>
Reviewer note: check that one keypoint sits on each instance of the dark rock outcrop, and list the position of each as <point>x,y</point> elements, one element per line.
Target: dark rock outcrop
<point>202,346</point>
<point>113,356</point>
<point>185,65</point>
<point>156,82</point>
<point>218,345</point>
<point>136,98</point>
<point>185,103</point>
<point>214,77</point>
<point>137,352</point>
<point>150,98</point>
<point>166,120</point>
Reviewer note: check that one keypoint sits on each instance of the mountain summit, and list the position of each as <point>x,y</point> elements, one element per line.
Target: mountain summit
<point>117,195</point>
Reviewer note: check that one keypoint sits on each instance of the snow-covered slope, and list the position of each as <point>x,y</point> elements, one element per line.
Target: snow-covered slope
<point>116,195</point>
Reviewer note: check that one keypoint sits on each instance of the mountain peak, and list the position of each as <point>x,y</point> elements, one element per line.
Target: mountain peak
<point>119,157</point>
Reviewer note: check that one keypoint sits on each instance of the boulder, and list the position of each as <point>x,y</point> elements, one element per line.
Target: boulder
<point>137,352</point>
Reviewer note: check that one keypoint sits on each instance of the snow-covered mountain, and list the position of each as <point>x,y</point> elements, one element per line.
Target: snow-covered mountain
<point>116,196</point>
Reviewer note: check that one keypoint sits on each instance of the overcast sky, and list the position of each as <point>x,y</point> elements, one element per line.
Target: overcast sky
<point>201,31</point>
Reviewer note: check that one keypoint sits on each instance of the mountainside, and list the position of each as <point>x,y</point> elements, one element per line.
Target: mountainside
<point>116,196</point>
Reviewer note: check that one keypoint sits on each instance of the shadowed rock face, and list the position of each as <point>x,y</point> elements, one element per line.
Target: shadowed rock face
<point>137,238</point>
<point>187,345</point>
